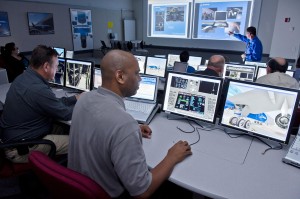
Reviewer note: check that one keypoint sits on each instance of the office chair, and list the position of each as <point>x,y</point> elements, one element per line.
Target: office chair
<point>180,67</point>
<point>129,45</point>
<point>62,182</point>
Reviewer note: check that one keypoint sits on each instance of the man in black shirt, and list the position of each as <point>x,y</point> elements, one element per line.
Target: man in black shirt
<point>215,66</point>
<point>31,106</point>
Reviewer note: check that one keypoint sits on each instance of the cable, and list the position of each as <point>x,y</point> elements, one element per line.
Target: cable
<point>194,128</point>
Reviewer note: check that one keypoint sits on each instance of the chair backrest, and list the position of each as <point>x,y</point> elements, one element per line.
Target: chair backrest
<point>62,182</point>
<point>3,76</point>
<point>180,66</point>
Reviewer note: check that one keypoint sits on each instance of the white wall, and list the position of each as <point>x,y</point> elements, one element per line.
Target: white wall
<point>17,15</point>
<point>286,42</point>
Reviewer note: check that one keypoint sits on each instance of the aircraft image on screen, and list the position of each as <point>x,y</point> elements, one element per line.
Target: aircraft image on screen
<point>271,116</point>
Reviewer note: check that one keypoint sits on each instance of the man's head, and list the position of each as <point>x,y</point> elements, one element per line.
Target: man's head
<point>184,56</point>
<point>44,61</point>
<point>216,63</point>
<point>251,32</point>
<point>120,73</point>
<point>277,64</point>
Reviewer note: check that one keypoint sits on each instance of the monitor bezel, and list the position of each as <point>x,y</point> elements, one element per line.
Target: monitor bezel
<point>146,64</point>
<point>200,76</point>
<point>286,141</point>
<point>92,75</point>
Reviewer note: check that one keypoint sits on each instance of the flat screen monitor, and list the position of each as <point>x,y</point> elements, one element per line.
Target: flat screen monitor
<point>180,67</point>
<point>261,71</point>
<point>59,77</point>
<point>192,96</point>
<point>171,60</point>
<point>69,54</point>
<point>201,68</point>
<point>239,72</point>
<point>61,52</point>
<point>261,110</point>
<point>290,67</point>
<point>156,66</point>
<point>142,62</point>
<point>290,73</point>
<point>78,74</point>
<point>97,77</point>
<point>194,61</point>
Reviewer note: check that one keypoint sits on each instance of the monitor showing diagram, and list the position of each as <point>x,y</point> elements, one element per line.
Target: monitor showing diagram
<point>239,72</point>
<point>156,66</point>
<point>192,96</point>
<point>78,74</point>
<point>261,110</point>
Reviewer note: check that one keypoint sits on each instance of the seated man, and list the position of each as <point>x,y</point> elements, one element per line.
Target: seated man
<point>215,66</point>
<point>184,57</point>
<point>31,106</point>
<point>106,142</point>
<point>276,76</point>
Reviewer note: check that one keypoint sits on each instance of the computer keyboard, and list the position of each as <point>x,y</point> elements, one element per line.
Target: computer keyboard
<point>138,106</point>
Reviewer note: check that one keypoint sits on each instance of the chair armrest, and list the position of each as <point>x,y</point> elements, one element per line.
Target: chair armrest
<point>25,143</point>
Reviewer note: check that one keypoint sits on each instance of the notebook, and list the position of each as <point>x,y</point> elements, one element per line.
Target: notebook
<point>143,105</point>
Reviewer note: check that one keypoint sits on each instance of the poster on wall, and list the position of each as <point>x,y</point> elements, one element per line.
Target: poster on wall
<point>4,25</point>
<point>40,23</point>
<point>81,22</point>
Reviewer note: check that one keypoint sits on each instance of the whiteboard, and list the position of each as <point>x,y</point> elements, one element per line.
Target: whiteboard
<point>129,30</point>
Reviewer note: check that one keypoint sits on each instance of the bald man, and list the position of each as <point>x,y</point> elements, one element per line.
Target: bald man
<point>106,142</point>
<point>276,76</point>
<point>215,66</point>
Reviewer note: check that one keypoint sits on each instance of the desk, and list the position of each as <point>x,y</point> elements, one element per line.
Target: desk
<point>259,176</point>
<point>3,90</point>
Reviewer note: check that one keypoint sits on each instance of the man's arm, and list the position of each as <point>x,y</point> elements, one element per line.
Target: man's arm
<point>243,38</point>
<point>256,53</point>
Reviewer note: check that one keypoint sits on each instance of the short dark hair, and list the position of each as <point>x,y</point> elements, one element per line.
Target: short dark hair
<point>184,56</point>
<point>252,30</point>
<point>276,67</point>
<point>42,54</point>
<point>9,47</point>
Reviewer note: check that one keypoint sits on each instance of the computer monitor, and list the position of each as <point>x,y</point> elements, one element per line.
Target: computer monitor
<point>290,73</point>
<point>142,62</point>
<point>78,74</point>
<point>61,52</point>
<point>171,59</point>
<point>239,72</point>
<point>290,67</point>
<point>201,68</point>
<point>69,54</point>
<point>194,61</point>
<point>261,71</point>
<point>156,66</point>
<point>261,110</point>
<point>97,77</point>
<point>147,89</point>
<point>256,63</point>
<point>180,67</point>
<point>192,96</point>
<point>59,77</point>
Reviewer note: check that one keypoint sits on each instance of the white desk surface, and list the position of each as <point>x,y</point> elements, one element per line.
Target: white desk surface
<point>214,171</point>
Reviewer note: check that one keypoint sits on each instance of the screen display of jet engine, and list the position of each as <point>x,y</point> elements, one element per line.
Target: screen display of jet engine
<point>262,110</point>
<point>156,66</point>
<point>78,74</point>
<point>239,72</point>
<point>60,73</point>
<point>192,96</point>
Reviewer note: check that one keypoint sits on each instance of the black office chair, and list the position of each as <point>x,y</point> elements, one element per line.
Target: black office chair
<point>104,48</point>
<point>180,67</point>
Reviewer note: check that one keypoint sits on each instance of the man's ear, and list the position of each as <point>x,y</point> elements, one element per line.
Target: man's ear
<point>120,76</point>
<point>46,66</point>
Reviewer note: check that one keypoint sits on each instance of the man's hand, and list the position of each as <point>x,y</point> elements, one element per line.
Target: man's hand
<point>179,151</point>
<point>243,56</point>
<point>230,33</point>
<point>146,131</point>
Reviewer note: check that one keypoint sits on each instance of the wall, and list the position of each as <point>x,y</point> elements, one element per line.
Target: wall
<point>265,20</point>
<point>285,41</point>
<point>17,14</point>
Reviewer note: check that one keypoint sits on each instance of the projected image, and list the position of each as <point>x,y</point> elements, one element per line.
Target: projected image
<point>213,20</point>
<point>208,13</point>
<point>78,74</point>
<point>156,66</point>
<point>234,12</point>
<point>168,20</point>
<point>59,75</point>
<point>192,96</point>
<point>175,13</point>
<point>259,109</point>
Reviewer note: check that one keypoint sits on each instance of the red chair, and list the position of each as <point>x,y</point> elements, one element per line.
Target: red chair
<point>62,182</point>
